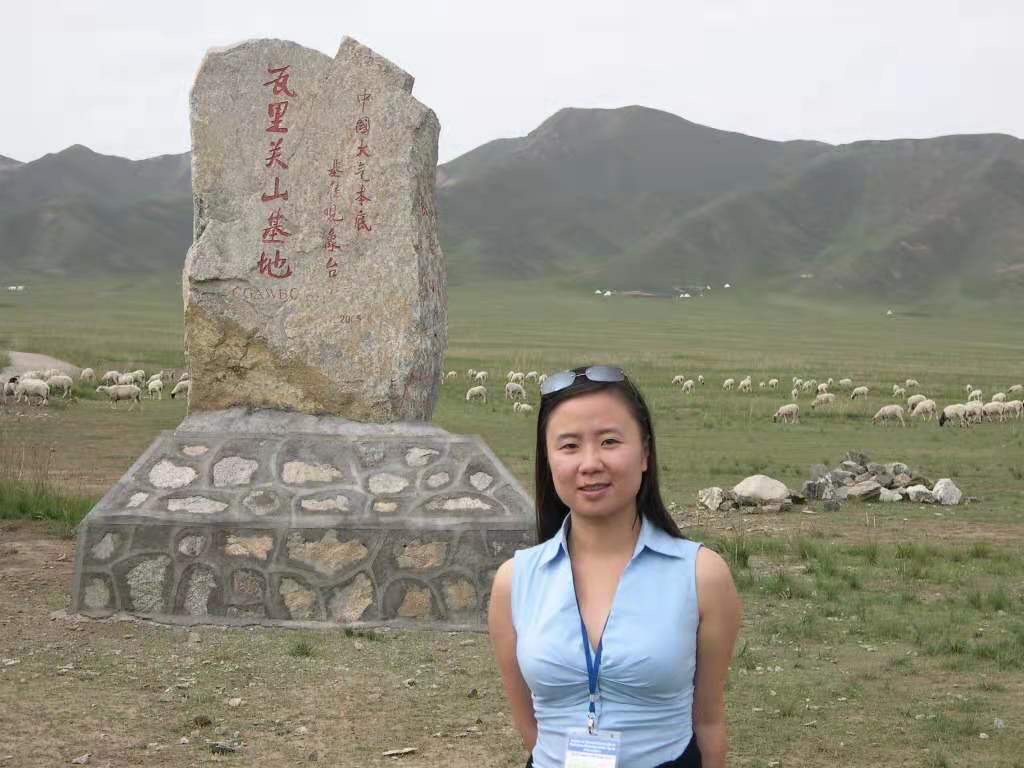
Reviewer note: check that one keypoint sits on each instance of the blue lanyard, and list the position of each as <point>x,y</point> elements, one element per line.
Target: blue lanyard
<point>593,670</point>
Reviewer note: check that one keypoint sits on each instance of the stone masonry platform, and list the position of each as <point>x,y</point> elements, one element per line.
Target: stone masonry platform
<point>269,517</point>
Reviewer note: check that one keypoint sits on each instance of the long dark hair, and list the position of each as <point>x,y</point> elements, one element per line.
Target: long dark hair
<point>551,510</point>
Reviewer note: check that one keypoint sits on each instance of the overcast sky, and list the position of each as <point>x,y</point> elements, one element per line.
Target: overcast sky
<point>115,75</point>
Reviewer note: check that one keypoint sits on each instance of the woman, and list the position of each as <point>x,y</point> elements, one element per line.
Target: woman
<point>660,613</point>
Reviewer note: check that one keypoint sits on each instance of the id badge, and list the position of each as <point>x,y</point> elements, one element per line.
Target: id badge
<point>592,750</point>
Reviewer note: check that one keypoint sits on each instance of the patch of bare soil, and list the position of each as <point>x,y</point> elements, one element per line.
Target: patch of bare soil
<point>30,361</point>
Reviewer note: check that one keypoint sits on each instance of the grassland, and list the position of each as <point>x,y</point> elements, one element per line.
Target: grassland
<point>878,635</point>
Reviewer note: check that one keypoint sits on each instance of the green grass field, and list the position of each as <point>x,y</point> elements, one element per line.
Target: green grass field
<point>881,634</point>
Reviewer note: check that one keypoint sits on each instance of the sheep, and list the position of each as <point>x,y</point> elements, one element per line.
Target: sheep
<point>859,392</point>
<point>29,388</point>
<point>925,409</point>
<point>8,390</point>
<point>968,388</point>
<point>480,376</point>
<point>976,395</point>
<point>183,386</point>
<point>912,384</point>
<point>1014,408</point>
<point>773,383</point>
<point>795,393</point>
<point>476,393</point>
<point>470,373</point>
<point>688,386</point>
<point>798,383</point>
<point>823,388</point>
<point>1013,390</point>
<point>678,379</point>
<point>700,380</point>
<point>744,385</point>
<point>61,382</point>
<point>991,410</point>
<point>518,377</point>
<point>185,376</point>
<point>955,411</point>
<point>514,391</point>
<point>509,375</point>
<point>138,376</point>
<point>532,375</point>
<point>808,385</point>
<point>122,392</point>
<point>898,391</point>
<point>825,398</point>
<point>125,378</point>
<point>87,375</point>
<point>524,408</point>
<point>50,372</point>
<point>912,401</point>
<point>155,388</point>
<point>762,384</point>
<point>110,377</point>
<point>788,414</point>
<point>999,397</point>
<point>974,411</point>
<point>846,384</point>
<point>728,384</point>
<point>889,413</point>
<point>541,379</point>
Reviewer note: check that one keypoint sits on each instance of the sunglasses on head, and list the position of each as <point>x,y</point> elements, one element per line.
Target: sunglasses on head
<point>601,373</point>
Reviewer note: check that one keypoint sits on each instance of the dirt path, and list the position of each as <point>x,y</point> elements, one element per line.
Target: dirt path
<point>30,361</point>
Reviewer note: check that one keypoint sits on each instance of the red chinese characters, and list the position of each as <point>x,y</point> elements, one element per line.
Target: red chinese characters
<point>362,195</point>
<point>274,233</point>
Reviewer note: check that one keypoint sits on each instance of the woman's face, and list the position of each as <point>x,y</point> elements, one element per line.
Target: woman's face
<point>597,454</point>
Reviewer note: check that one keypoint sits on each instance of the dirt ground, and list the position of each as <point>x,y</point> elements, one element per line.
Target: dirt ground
<point>29,361</point>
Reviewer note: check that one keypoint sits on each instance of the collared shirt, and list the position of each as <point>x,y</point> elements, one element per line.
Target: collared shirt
<point>649,655</point>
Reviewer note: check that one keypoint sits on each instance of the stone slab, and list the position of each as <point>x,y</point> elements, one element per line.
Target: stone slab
<point>240,517</point>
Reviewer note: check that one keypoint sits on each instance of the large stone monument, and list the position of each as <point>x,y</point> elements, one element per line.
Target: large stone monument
<point>306,485</point>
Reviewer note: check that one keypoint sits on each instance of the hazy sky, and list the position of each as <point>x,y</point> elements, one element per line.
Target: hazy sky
<point>115,75</point>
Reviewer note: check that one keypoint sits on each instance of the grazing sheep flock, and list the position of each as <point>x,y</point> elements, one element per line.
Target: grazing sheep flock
<point>36,387</point>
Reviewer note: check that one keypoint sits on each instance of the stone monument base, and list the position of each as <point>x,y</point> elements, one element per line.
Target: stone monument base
<point>268,517</point>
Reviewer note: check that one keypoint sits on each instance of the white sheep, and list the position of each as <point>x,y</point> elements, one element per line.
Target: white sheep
<point>40,375</point>
<point>898,391</point>
<point>912,384</point>
<point>861,391</point>
<point>524,408</point>
<point>514,391</point>
<point>126,378</point>
<point>1013,390</point>
<point>728,384</point>
<point>509,375</point>
<point>677,380</point>
<point>185,376</point>
<point>976,396</point>
<point>451,375</point>
<point>541,379</point>
<point>913,400</point>
<point>924,409</point>
<point>62,382</point>
<point>999,397</point>
<point>480,376</point>
<point>8,390</point>
<point>773,383</point>
<point>1013,408</point>
<point>518,377</point>
<point>182,387</point>
<point>155,388</point>
<point>889,413</point>
<point>50,372</point>
<point>974,411</point>
<point>688,386</point>
<point>788,413</point>
<point>110,377</point>
<point>991,410</point>
<point>138,376</point>
<point>798,382</point>
<point>955,411</point>
<point>470,373</point>
<point>846,384</point>
<point>122,392</point>
<point>795,393</point>
<point>87,374</point>
<point>532,375</point>
<point>29,388</point>
<point>808,385</point>
<point>762,384</point>
<point>824,399</point>
<point>700,380</point>
<point>823,388</point>
<point>476,393</point>
<point>744,386</point>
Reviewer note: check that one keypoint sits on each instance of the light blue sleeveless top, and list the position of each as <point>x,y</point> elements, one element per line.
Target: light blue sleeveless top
<point>650,648</point>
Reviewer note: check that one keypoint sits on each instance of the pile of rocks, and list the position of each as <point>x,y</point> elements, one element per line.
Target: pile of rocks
<point>857,477</point>
<point>757,493</point>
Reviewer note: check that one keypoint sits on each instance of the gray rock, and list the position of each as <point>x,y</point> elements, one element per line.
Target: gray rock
<point>315,281</point>
<point>874,468</point>
<point>818,471</point>
<point>920,494</point>
<point>840,477</point>
<point>887,496</point>
<point>853,467</point>
<point>814,489</point>
<point>902,480</point>
<point>762,488</point>
<point>946,492</point>
<point>863,477</point>
<point>884,479</point>
<point>897,468</point>
<point>711,498</point>
<point>857,456</point>
<point>842,493</point>
<point>865,490</point>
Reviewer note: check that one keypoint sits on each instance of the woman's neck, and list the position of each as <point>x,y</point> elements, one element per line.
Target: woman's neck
<point>604,537</point>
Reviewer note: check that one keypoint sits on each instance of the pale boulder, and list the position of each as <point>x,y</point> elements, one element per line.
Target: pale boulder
<point>946,492</point>
<point>761,488</point>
